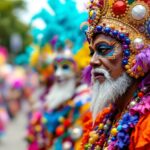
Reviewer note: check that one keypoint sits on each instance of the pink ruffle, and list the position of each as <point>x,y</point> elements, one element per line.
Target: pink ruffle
<point>33,146</point>
<point>143,107</point>
<point>111,146</point>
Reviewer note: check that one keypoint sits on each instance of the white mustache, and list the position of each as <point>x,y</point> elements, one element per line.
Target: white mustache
<point>103,71</point>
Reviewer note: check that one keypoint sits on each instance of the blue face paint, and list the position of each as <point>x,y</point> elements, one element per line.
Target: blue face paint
<point>104,49</point>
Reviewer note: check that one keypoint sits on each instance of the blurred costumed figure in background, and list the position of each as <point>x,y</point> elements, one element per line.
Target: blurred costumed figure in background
<point>4,117</point>
<point>68,98</point>
<point>119,39</point>
<point>40,61</point>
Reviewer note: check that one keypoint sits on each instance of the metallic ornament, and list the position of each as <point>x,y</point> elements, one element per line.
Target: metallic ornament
<point>106,127</point>
<point>138,12</point>
<point>138,43</point>
<point>133,103</point>
<point>76,132</point>
<point>67,145</point>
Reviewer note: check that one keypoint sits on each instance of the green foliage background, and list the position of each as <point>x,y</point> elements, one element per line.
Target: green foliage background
<point>9,23</point>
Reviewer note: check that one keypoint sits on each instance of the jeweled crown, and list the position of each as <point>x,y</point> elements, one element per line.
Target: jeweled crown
<point>123,15</point>
<point>126,20</point>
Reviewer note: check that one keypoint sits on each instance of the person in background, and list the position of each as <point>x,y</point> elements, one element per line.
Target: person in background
<point>68,94</point>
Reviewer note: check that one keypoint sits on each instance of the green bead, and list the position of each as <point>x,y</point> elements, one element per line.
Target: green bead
<point>87,146</point>
<point>130,1</point>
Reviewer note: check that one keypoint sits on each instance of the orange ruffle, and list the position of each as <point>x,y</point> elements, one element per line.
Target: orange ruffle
<point>140,137</point>
<point>88,124</point>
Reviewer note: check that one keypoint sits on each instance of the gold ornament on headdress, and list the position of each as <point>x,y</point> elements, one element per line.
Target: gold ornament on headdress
<point>125,16</point>
<point>129,18</point>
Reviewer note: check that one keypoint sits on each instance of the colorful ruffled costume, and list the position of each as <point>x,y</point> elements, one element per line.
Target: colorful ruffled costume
<point>64,124</point>
<point>131,131</point>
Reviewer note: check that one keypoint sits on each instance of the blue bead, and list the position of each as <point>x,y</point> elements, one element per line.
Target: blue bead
<point>125,62</point>
<point>113,138</point>
<point>115,32</point>
<point>127,53</point>
<point>121,36</point>
<point>119,127</point>
<point>107,30</point>
<point>99,28</point>
<point>100,132</point>
<point>125,126</point>
<point>127,41</point>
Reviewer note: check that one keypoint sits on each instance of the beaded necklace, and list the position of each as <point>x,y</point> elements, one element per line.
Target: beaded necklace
<point>115,136</point>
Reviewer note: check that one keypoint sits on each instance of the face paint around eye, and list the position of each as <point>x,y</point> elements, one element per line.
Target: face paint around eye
<point>104,49</point>
<point>65,67</point>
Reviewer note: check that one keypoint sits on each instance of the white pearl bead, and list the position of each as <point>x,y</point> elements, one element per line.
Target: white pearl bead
<point>138,12</point>
<point>138,43</point>
<point>133,103</point>
<point>67,145</point>
<point>76,133</point>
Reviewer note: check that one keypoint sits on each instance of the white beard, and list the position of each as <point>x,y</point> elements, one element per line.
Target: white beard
<point>108,91</point>
<point>60,93</point>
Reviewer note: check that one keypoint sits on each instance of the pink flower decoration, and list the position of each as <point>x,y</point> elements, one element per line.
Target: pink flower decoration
<point>143,107</point>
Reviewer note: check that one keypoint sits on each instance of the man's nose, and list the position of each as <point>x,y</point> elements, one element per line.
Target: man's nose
<point>95,61</point>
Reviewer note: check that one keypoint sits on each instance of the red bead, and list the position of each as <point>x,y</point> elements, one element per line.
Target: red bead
<point>101,143</point>
<point>119,7</point>
<point>140,94</point>
<point>67,123</point>
<point>90,21</point>
<point>59,130</point>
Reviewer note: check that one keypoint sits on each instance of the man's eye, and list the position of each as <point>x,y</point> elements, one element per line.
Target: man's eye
<point>65,67</point>
<point>91,52</point>
<point>104,49</point>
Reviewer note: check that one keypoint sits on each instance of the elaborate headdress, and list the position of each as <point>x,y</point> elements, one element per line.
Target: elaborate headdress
<point>127,21</point>
<point>41,60</point>
<point>62,24</point>
<point>62,31</point>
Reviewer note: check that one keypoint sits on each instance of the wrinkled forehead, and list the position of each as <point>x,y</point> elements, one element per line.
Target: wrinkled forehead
<point>101,37</point>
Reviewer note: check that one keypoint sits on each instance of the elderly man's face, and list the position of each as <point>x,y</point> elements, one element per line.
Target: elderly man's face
<point>106,54</point>
<point>109,79</point>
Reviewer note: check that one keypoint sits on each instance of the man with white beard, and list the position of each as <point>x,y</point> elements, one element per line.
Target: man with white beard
<point>119,72</point>
<point>65,82</point>
<point>66,104</point>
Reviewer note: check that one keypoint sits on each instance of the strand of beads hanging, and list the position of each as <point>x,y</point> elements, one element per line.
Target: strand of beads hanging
<point>99,135</point>
<point>120,133</point>
<point>117,136</point>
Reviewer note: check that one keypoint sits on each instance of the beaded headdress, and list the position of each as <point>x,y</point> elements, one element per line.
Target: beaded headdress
<point>127,21</point>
